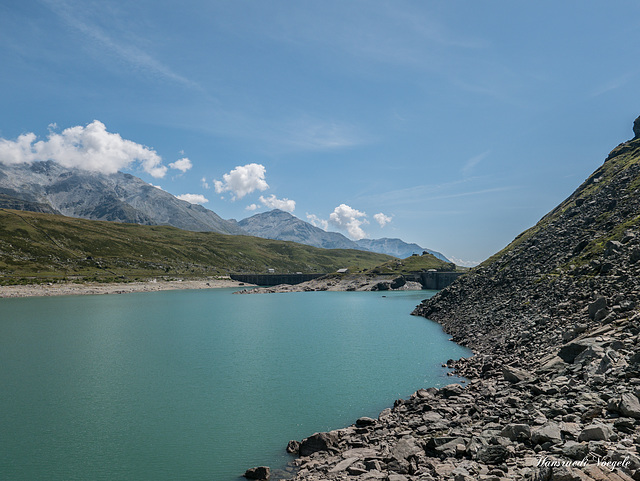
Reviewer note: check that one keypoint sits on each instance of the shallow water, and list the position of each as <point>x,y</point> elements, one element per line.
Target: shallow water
<point>202,384</point>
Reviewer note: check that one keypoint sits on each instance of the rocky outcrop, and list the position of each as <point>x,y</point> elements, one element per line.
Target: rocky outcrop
<point>341,282</point>
<point>552,392</point>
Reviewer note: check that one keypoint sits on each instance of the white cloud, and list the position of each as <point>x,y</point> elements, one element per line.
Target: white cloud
<point>90,148</point>
<point>382,219</point>
<point>205,184</point>
<point>183,164</point>
<point>193,198</point>
<point>156,186</point>
<point>274,203</point>
<point>349,218</point>
<point>473,161</point>
<point>317,221</point>
<point>242,180</point>
<point>252,207</point>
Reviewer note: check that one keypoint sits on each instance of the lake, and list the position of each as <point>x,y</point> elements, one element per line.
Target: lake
<point>199,384</point>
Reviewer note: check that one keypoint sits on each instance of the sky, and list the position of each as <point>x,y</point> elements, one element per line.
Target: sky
<point>455,125</point>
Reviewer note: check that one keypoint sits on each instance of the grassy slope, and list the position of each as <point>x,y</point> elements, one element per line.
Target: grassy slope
<point>49,246</point>
<point>411,264</point>
<point>618,161</point>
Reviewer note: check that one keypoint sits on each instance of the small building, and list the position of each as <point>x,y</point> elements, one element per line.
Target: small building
<point>271,271</point>
<point>342,271</point>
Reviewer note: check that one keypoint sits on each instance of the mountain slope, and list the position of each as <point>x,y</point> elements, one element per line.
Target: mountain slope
<point>277,224</point>
<point>115,197</point>
<point>543,285</point>
<point>53,246</point>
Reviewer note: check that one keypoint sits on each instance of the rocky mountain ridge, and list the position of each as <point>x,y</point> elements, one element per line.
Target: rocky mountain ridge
<point>280,225</point>
<point>553,390</point>
<point>49,187</point>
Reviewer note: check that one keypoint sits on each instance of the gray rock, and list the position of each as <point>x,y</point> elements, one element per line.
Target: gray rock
<point>261,473</point>
<point>492,454</point>
<point>570,351</point>
<point>596,432</point>
<point>574,450</point>
<point>513,374</point>
<point>318,442</point>
<point>549,432</point>
<point>597,305</point>
<point>516,432</point>
<point>451,390</point>
<point>293,447</point>
<point>365,421</point>
<point>343,465</point>
<point>629,406</point>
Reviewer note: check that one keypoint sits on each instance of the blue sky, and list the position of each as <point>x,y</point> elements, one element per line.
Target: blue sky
<point>455,125</point>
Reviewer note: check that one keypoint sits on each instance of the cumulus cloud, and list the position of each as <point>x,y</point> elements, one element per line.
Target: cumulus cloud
<point>193,198</point>
<point>252,207</point>
<point>183,164</point>
<point>205,184</point>
<point>242,180</point>
<point>273,202</point>
<point>316,221</point>
<point>350,219</point>
<point>382,219</point>
<point>90,148</point>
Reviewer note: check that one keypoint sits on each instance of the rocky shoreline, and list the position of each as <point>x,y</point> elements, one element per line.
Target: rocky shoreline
<point>553,391</point>
<point>72,289</point>
<point>341,282</point>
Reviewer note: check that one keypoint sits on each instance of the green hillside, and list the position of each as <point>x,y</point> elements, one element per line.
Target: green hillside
<point>412,264</point>
<point>50,247</point>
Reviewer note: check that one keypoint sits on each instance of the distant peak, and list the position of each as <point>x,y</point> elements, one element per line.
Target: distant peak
<point>636,128</point>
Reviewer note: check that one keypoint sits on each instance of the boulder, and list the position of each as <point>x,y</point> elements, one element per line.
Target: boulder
<point>516,432</point>
<point>451,390</point>
<point>261,472</point>
<point>596,432</point>
<point>574,450</point>
<point>571,350</point>
<point>318,442</point>
<point>597,305</point>
<point>549,432</point>
<point>365,421</point>
<point>492,454</point>
<point>293,447</point>
<point>629,406</point>
<point>513,374</point>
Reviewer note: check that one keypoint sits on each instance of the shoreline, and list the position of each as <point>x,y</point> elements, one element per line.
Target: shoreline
<point>94,288</point>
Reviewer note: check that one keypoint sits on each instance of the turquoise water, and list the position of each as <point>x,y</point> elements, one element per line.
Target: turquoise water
<point>199,385</point>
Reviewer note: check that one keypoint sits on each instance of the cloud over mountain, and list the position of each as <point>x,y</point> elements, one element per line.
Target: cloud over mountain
<point>243,180</point>
<point>90,148</point>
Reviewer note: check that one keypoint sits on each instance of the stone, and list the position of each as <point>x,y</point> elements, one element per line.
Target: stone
<point>343,465</point>
<point>513,374</point>
<point>516,432</point>
<point>596,432</point>
<point>293,447</point>
<point>571,350</point>
<point>597,305</point>
<point>549,432</point>
<point>365,421</point>
<point>492,454</point>
<point>574,450</point>
<point>629,406</point>
<point>451,390</point>
<point>261,473</point>
<point>318,442</point>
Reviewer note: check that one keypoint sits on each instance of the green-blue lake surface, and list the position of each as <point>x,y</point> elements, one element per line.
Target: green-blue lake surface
<point>199,385</point>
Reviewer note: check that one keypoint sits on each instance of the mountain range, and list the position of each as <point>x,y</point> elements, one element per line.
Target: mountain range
<point>280,225</point>
<point>49,187</point>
